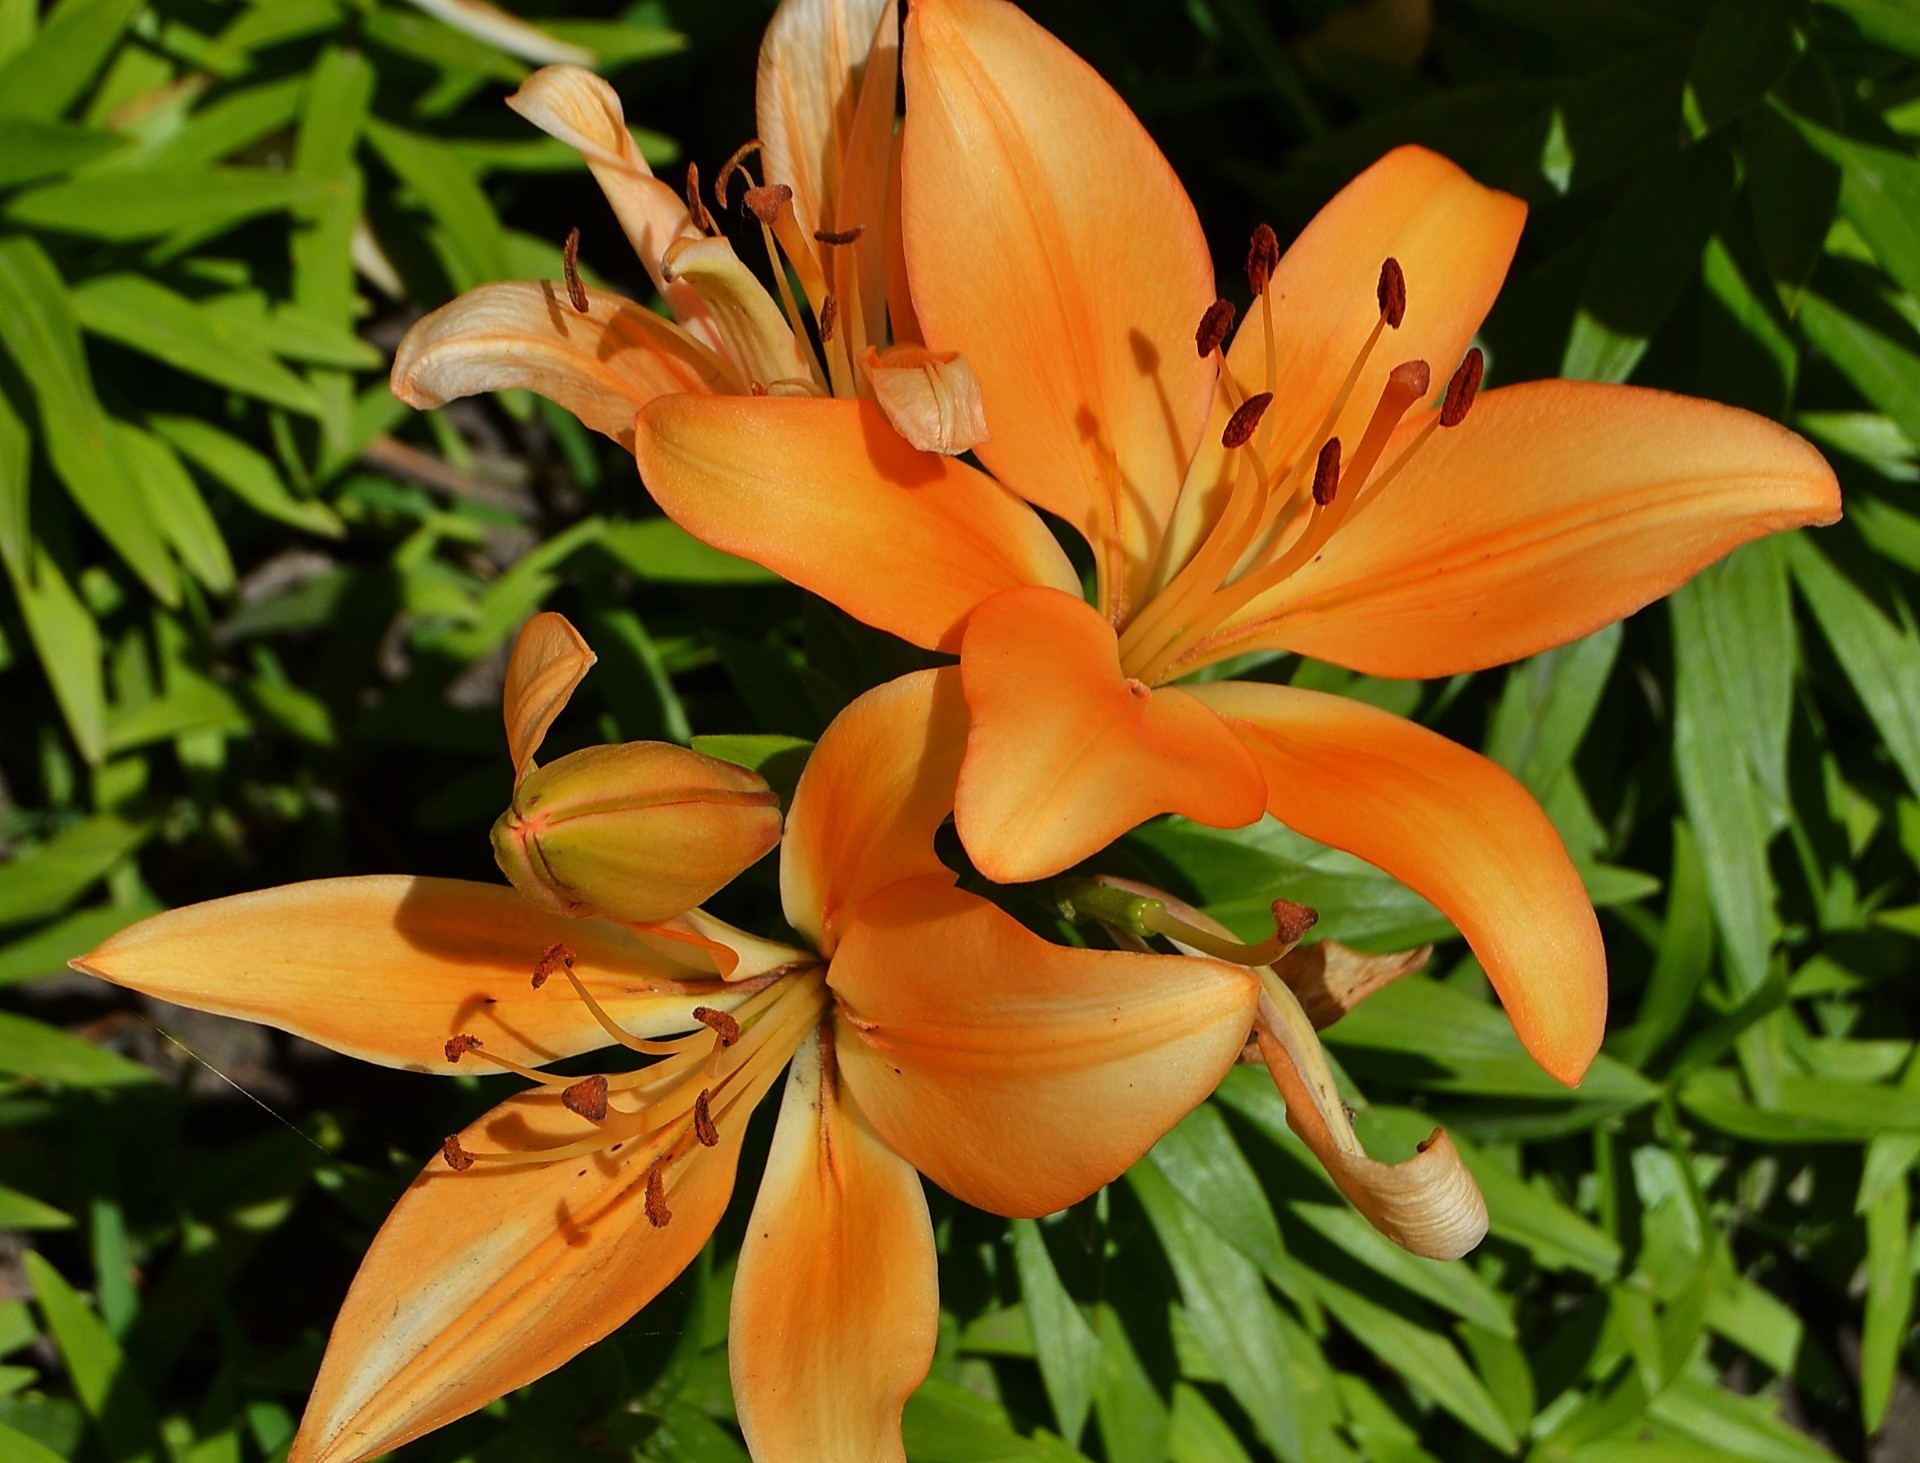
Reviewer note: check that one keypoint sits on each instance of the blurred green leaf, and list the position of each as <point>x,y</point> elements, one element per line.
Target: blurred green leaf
<point>661,551</point>
<point>116,1402</point>
<point>1744,48</point>
<point>1890,1257</point>
<point>48,76</point>
<point>44,881</point>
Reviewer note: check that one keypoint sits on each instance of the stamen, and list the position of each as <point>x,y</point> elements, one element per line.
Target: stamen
<point>829,315</point>
<point>697,210</point>
<point>458,1046</point>
<point>839,236</point>
<point>1263,257</point>
<point>570,265</point>
<point>1326,472</point>
<point>1392,293</point>
<point>658,1214</point>
<point>722,1023</point>
<point>1462,389</point>
<point>556,957</point>
<point>1214,326</point>
<point>468,1045</point>
<point>1140,915</point>
<point>733,165</point>
<point>767,201</point>
<point>1246,417</point>
<point>1292,921</point>
<point>703,1127</point>
<point>458,1159</point>
<point>587,1097</point>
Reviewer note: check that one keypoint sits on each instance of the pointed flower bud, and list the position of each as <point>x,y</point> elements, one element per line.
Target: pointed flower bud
<point>640,831</point>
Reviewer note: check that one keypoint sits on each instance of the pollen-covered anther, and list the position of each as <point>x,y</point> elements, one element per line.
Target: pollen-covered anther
<point>570,266</point>
<point>1246,417</point>
<point>829,317</point>
<point>458,1159</point>
<point>735,164</point>
<point>1214,326</point>
<point>703,1127</point>
<point>1326,472</point>
<point>658,1214</point>
<point>588,1098</point>
<point>553,960</point>
<point>766,201</point>
<point>721,1023</point>
<point>1392,293</point>
<point>839,236</point>
<point>1462,389</point>
<point>1263,257</point>
<point>458,1046</point>
<point>1292,921</point>
<point>695,208</point>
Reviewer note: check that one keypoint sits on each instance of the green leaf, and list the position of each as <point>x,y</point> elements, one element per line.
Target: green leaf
<point>1804,1110</point>
<point>24,1449</point>
<point>1793,193</point>
<point>662,552</point>
<point>475,245</point>
<point>32,148</point>
<point>1064,1344</point>
<point>51,73</point>
<point>148,317</point>
<point>102,1375</point>
<point>946,1423</point>
<point>1890,22</point>
<point>1681,962</point>
<point>177,503</point>
<point>1890,1254</point>
<point>1886,370</point>
<point>333,113</point>
<point>47,950</point>
<point>46,880</point>
<point>1547,705</point>
<point>1880,195</point>
<point>120,208</point>
<point>43,1053</point>
<point>250,476</point>
<point>23,1211</point>
<point>1199,1434</point>
<point>68,643</point>
<point>1744,49</point>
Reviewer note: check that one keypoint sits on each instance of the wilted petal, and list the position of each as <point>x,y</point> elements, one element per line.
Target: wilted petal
<point>931,397</point>
<point>876,788</point>
<point>1017,1074</point>
<point>836,1303</point>
<point>1330,979</point>
<point>602,365</point>
<point>388,967</point>
<point>1066,753</point>
<point>550,659</point>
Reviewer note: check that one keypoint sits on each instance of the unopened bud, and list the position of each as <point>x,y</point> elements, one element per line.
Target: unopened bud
<point>639,831</point>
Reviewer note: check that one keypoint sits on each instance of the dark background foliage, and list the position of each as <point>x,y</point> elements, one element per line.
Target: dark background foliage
<point>256,619</point>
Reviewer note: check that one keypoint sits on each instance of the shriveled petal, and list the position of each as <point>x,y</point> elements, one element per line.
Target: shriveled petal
<point>550,659</point>
<point>574,105</point>
<point>1016,1074</point>
<point>826,494</point>
<point>1048,240</point>
<point>836,1304</point>
<point>1066,753</point>
<point>1330,979</point>
<point>1453,240</point>
<point>1453,827</point>
<point>825,103</point>
<point>603,365</point>
<point>875,790</point>
<point>753,325</point>
<point>1428,1204</point>
<point>931,397</point>
<point>481,1281</point>
<point>387,967</point>
<point>1555,508</point>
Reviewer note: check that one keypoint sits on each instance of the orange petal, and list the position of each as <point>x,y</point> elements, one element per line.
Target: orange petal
<point>580,109</point>
<point>481,1281</point>
<point>387,967</point>
<point>549,661</point>
<point>875,790</point>
<point>1066,753</point>
<point>1049,242</point>
<point>1555,508</point>
<point>837,1300</point>
<point>826,494</point>
<point>602,366</point>
<point>1453,239</point>
<point>1451,826</point>
<point>1016,1074</point>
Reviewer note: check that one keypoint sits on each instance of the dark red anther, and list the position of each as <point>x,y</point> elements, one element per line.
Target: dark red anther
<point>554,959</point>
<point>839,236</point>
<point>697,210</point>
<point>1214,326</point>
<point>458,1046</point>
<point>570,266</point>
<point>1246,417</point>
<point>1392,293</point>
<point>458,1159</point>
<point>1462,389</point>
<point>1292,921</point>
<point>658,1214</point>
<point>722,1023</point>
<point>703,1127</point>
<point>1263,257</point>
<point>766,201</point>
<point>829,317</point>
<point>587,1097</point>
<point>1326,472</point>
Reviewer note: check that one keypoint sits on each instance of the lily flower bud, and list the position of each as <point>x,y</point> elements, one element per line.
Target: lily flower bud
<point>640,831</point>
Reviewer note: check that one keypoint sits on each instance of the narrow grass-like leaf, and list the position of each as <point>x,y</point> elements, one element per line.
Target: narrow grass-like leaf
<point>250,475</point>
<point>110,1390</point>
<point>1064,1344</point>
<point>161,200</point>
<point>43,882</point>
<point>1890,1253</point>
<point>48,76</point>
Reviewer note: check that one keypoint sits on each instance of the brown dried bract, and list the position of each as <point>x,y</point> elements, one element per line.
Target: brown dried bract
<point>839,236</point>
<point>1462,389</point>
<point>1246,416</point>
<point>658,1214</point>
<point>766,201</point>
<point>458,1159</point>
<point>1292,921</point>
<point>458,1046</point>
<point>697,210</point>
<point>570,266</point>
<point>554,959</point>
<point>1214,326</point>
<point>734,165</point>
<point>1263,257</point>
<point>1392,293</point>
<point>722,1023</point>
<point>1326,472</point>
<point>588,1097</point>
<point>829,317</point>
<point>703,1127</point>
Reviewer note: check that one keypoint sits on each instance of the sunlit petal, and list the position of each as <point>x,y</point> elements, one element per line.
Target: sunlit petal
<point>550,659</point>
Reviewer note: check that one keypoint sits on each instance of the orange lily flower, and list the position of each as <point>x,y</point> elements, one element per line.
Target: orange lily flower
<point>1320,487</point>
<point>922,1029</point>
<point>829,78</point>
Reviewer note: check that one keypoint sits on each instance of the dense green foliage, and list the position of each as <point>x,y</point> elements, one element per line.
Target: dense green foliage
<point>255,625</point>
